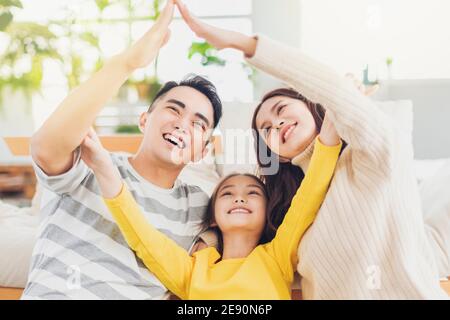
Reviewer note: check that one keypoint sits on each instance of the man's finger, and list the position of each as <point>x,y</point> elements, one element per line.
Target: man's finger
<point>166,15</point>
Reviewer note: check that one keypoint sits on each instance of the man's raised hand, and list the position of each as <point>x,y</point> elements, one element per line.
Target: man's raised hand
<point>145,50</point>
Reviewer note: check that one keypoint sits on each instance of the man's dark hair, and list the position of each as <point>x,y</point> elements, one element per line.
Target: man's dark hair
<point>200,84</point>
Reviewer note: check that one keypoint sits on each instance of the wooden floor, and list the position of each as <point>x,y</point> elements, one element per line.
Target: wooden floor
<point>14,294</point>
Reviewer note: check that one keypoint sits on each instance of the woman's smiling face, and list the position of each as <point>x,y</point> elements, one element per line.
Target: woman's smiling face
<point>286,126</point>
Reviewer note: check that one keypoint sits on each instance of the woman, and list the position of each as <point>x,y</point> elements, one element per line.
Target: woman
<point>369,239</point>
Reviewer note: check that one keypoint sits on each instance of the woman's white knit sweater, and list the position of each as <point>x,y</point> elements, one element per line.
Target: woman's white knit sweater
<point>368,240</point>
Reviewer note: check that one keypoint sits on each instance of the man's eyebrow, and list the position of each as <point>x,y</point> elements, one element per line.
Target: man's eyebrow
<point>177,102</point>
<point>182,105</point>
<point>201,116</point>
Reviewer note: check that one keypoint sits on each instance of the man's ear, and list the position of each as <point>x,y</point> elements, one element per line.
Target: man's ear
<point>143,121</point>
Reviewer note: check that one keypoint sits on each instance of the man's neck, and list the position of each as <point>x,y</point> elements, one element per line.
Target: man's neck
<point>163,177</point>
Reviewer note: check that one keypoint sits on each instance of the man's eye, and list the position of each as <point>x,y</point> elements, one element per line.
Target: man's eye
<point>200,124</point>
<point>174,109</point>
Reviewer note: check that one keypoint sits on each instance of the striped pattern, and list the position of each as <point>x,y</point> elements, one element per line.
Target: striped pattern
<point>80,252</point>
<point>369,239</point>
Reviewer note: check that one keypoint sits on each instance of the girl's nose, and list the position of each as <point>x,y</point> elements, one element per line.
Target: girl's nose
<point>239,200</point>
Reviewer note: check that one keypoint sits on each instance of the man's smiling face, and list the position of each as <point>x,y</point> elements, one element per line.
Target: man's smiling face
<point>178,126</point>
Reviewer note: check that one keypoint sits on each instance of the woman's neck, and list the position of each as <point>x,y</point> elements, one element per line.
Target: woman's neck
<point>238,245</point>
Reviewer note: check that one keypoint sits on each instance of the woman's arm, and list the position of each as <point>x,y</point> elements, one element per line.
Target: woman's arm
<point>358,120</point>
<point>53,144</point>
<point>304,207</point>
<point>170,263</point>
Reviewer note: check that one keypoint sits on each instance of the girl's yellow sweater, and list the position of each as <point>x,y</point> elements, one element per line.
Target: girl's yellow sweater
<point>266,273</point>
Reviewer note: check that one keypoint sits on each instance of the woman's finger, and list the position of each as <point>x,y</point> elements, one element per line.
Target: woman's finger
<point>190,20</point>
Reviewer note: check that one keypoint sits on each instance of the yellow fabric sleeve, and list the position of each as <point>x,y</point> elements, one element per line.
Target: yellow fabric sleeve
<point>169,262</point>
<point>304,207</point>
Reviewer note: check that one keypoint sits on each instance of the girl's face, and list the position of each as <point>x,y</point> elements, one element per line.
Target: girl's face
<point>240,205</point>
<point>286,126</point>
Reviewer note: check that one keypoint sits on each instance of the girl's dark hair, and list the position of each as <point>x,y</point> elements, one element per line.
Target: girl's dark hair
<point>282,186</point>
<point>209,218</point>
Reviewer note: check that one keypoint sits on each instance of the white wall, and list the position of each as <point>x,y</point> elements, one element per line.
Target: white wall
<point>279,20</point>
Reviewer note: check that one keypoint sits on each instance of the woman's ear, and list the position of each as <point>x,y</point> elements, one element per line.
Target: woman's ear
<point>143,121</point>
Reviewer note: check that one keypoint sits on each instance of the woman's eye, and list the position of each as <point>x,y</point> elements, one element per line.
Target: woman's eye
<point>266,131</point>
<point>280,109</point>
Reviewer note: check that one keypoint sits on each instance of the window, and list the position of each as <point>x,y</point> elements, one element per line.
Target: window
<point>349,34</point>
<point>117,26</point>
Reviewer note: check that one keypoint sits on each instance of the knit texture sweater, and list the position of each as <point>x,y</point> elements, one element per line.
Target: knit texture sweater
<point>368,240</point>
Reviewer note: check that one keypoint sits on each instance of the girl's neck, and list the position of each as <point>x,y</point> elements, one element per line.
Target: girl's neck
<point>238,245</point>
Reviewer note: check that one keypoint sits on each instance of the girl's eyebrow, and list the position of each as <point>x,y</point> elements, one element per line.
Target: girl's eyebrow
<point>256,186</point>
<point>227,186</point>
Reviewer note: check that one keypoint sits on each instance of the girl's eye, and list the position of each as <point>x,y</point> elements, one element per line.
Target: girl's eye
<point>254,192</point>
<point>226,194</point>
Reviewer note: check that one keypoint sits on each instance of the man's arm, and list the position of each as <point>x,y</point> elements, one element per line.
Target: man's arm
<point>53,144</point>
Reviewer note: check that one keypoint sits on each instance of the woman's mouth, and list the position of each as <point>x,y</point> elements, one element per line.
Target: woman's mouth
<point>286,132</point>
<point>175,141</point>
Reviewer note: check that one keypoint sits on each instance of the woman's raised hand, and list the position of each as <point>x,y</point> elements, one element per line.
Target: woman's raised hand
<point>217,37</point>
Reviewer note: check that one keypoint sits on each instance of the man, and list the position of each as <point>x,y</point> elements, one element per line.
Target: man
<point>80,252</point>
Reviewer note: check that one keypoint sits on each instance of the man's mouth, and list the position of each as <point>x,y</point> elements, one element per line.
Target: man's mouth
<point>239,210</point>
<point>286,132</point>
<point>177,142</point>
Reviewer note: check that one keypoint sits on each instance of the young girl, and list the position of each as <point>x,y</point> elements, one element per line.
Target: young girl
<point>369,240</point>
<point>245,268</point>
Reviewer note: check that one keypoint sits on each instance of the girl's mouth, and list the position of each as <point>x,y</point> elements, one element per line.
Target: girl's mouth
<point>239,210</point>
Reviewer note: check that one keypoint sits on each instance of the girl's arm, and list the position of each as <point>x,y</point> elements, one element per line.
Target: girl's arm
<point>304,207</point>
<point>170,263</point>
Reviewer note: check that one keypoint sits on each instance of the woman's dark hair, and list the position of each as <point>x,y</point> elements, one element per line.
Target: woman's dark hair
<point>282,186</point>
<point>200,84</point>
<point>209,218</point>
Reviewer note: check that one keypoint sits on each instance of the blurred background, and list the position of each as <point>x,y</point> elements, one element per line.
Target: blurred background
<point>48,47</point>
